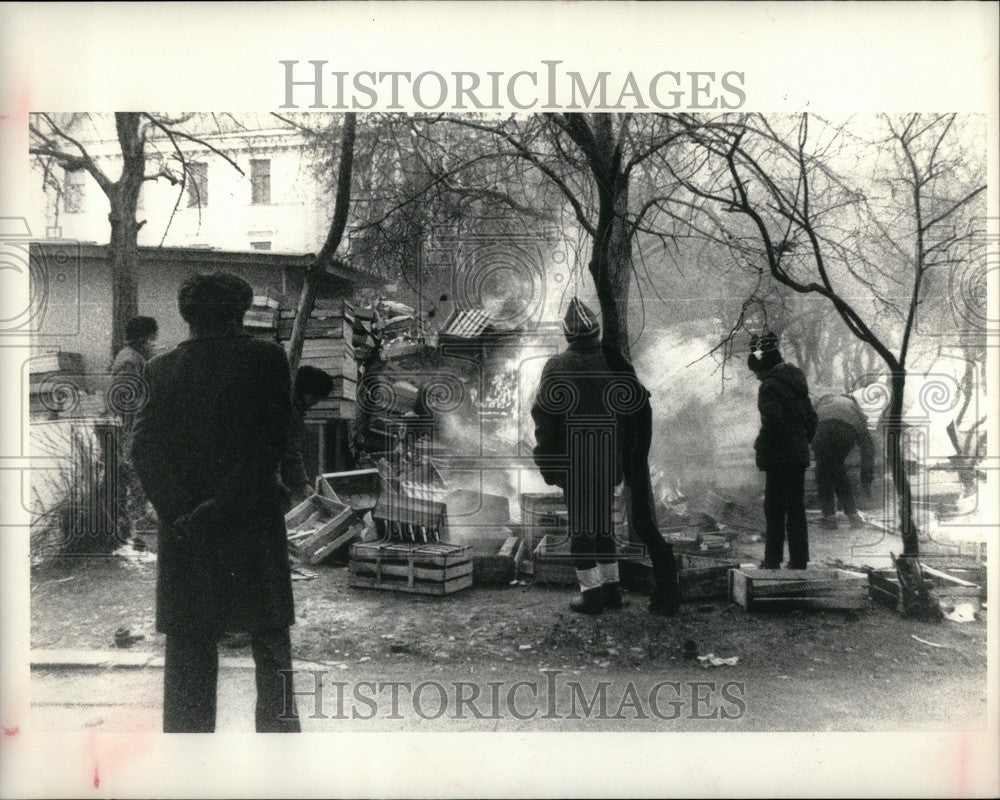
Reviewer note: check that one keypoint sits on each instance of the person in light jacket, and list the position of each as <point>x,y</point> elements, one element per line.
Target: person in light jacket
<point>842,427</point>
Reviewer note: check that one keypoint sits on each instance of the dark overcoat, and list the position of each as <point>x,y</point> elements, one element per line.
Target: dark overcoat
<point>787,418</point>
<point>578,412</point>
<point>210,436</point>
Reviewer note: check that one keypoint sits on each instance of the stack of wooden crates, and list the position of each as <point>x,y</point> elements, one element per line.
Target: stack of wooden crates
<point>329,346</point>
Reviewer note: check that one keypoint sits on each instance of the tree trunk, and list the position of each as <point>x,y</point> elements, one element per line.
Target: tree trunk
<point>123,251</point>
<point>123,196</point>
<point>310,282</point>
<point>895,431</point>
<point>611,269</point>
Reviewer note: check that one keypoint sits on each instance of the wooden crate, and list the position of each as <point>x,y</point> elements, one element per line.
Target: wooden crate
<point>948,589</point>
<point>757,589</point>
<point>358,488</point>
<point>553,562</point>
<point>436,569</point>
<point>703,577</point>
<point>318,526</point>
<point>333,326</point>
<point>261,318</point>
<point>495,559</point>
<point>698,577</point>
<point>333,408</point>
<point>399,518</point>
<point>542,509</point>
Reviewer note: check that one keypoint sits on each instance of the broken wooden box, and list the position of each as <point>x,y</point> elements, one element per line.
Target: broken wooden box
<point>439,568</point>
<point>947,588</point>
<point>359,488</point>
<point>318,526</point>
<point>760,589</point>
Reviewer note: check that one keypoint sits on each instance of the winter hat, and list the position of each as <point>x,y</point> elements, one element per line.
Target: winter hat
<point>580,322</point>
<point>764,352</point>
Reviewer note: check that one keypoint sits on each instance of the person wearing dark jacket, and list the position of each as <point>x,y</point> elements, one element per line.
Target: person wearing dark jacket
<point>311,386</point>
<point>207,446</point>
<point>842,426</point>
<point>588,431</point>
<point>787,425</point>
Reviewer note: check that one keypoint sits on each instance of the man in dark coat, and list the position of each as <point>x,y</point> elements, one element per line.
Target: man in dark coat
<point>311,386</point>
<point>842,427</point>
<point>589,434</point>
<point>207,446</point>
<point>787,425</point>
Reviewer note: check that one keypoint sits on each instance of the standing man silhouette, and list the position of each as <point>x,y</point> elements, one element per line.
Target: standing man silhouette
<point>787,425</point>
<point>592,430</point>
<point>207,447</point>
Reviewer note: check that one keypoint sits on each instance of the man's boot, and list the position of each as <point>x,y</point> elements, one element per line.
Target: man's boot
<point>856,521</point>
<point>829,523</point>
<point>614,600</point>
<point>590,601</point>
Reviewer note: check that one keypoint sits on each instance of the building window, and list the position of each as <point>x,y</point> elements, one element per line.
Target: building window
<point>197,184</point>
<point>260,181</point>
<point>260,245</point>
<point>74,192</point>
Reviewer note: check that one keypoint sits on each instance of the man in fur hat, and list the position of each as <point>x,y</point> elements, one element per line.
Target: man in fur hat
<point>592,419</point>
<point>787,425</point>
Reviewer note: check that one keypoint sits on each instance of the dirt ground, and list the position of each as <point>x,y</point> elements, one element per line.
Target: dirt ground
<point>866,660</point>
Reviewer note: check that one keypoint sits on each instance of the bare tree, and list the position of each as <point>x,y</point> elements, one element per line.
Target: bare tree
<point>815,233</point>
<point>55,141</point>
<point>327,254</point>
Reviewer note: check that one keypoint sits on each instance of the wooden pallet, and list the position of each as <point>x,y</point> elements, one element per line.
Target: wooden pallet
<point>338,525</point>
<point>434,569</point>
<point>758,589</point>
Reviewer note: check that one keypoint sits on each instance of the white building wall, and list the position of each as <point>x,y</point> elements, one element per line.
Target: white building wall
<point>295,221</point>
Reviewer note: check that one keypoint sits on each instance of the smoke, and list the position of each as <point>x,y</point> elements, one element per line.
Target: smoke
<point>703,428</point>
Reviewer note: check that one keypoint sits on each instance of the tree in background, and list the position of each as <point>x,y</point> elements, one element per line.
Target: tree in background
<point>868,246</point>
<point>150,148</point>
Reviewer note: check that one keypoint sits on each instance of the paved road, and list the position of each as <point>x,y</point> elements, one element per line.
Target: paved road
<point>360,699</point>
